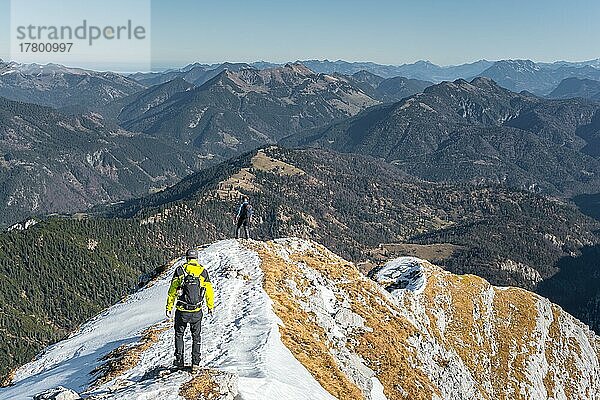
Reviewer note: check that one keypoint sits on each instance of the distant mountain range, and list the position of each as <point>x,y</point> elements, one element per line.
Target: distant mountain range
<point>477,132</point>
<point>378,87</point>
<point>53,162</point>
<point>515,75</point>
<point>178,127</point>
<point>457,131</point>
<point>454,131</point>
<point>239,111</point>
<point>78,90</point>
<point>58,86</point>
<point>422,70</point>
<point>196,74</point>
<point>391,89</point>
<point>86,90</point>
<point>540,79</point>
<point>137,104</point>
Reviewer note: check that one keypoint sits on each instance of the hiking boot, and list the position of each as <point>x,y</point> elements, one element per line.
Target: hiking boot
<point>178,363</point>
<point>196,368</point>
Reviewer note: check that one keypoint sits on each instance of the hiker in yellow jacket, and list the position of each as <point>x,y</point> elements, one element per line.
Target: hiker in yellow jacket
<point>189,288</point>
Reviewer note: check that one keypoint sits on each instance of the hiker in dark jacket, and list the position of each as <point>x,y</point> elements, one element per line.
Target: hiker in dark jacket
<point>190,287</point>
<point>243,218</point>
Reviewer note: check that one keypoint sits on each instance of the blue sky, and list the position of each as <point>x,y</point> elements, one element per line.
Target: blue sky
<point>390,32</point>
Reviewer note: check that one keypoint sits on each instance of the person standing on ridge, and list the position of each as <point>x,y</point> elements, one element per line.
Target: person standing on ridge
<point>189,288</point>
<point>244,218</point>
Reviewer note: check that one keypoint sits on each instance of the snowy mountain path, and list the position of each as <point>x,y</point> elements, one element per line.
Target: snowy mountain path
<point>413,330</point>
<point>242,336</point>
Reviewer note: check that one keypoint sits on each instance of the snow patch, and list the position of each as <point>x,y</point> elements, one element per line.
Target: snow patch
<point>402,273</point>
<point>196,118</point>
<point>377,390</point>
<point>92,244</point>
<point>23,225</point>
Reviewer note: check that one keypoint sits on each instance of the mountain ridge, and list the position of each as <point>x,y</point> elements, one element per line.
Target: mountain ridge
<point>408,342</point>
<point>576,87</point>
<point>544,75</point>
<point>61,87</point>
<point>457,131</point>
<point>518,75</point>
<point>390,89</point>
<point>237,111</point>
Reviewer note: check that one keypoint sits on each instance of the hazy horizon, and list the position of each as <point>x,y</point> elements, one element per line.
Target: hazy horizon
<point>168,66</point>
<point>159,68</point>
<point>384,32</point>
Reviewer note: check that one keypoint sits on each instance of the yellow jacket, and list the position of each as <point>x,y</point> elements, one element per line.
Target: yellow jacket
<point>191,267</point>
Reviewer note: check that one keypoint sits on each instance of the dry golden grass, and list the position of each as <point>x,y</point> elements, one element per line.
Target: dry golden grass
<point>555,339</point>
<point>385,349</point>
<point>243,181</point>
<point>200,387</point>
<point>7,381</point>
<point>237,184</point>
<point>262,162</point>
<point>513,334</point>
<point>553,333</point>
<point>464,293</point>
<point>493,337</point>
<point>125,357</point>
<point>515,314</point>
<point>305,339</point>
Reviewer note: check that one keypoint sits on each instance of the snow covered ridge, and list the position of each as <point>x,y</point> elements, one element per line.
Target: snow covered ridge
<point>295,321</point>
<point>22,226</point>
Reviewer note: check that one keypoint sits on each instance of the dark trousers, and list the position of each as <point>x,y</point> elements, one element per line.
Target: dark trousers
<point>182,319</point>
<point>242,223</point>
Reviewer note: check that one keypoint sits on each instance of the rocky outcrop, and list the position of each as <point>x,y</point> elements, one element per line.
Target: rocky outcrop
<point>211,385</point>
<point>503,342</point>
<point>59,393</point>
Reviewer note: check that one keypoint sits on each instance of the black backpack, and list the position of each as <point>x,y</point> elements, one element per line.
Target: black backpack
<point>245,211</point>
<point>192,292</point>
